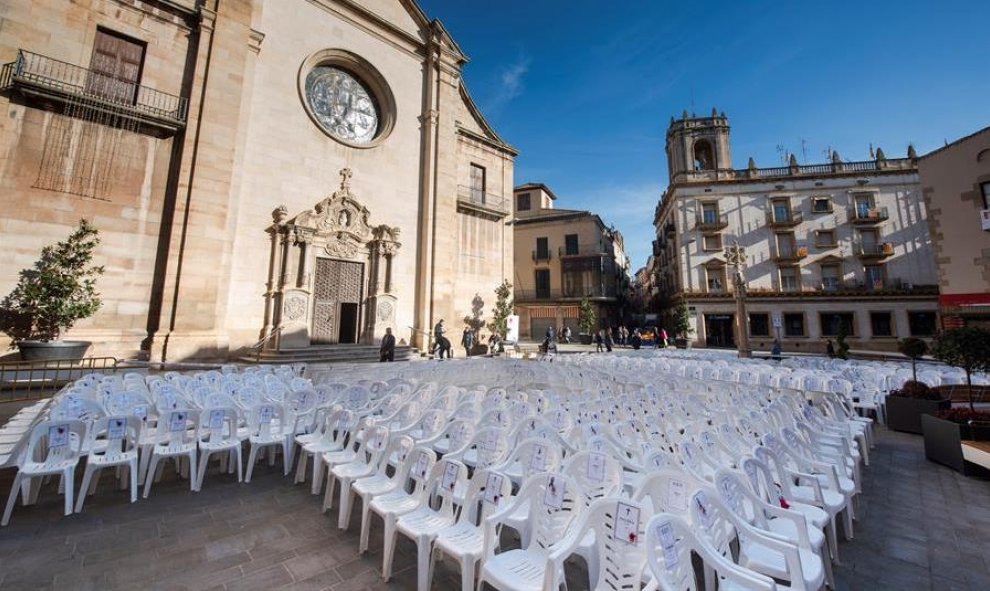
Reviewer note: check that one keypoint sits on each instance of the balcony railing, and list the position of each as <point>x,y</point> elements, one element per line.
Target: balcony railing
<point>790,254</point>
<point>871,215</point>
<point>576,293</point>
<point>37,74</point>
<point>793,218</point>
<point>814,170</point>
<point>541,256</point>
<point>582,250</point>
<point>478,200</point>
<point>873,251</point>
<point>708,222</point>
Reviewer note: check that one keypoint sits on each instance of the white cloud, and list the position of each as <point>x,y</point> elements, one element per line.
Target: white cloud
<point>511,82</point>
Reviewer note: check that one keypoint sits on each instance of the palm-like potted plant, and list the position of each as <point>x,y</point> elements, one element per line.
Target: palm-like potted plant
<point>682,326</point>
<point>52,296</point>
<point>587,321</point>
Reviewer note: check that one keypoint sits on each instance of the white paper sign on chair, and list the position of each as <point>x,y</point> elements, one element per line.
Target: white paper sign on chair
<point>677,495</point>
<point>58,435</point>
<point>554,497</point>
<point>265,414</point>
<point>422,461</point>
<point>116,428</point>
<point>665,533</point>
<point>596,466</point>
<point>492,488</point>
<point>449,476</point>
<point>626,526</point>
<point>177,422</point>
<point>538,461</point>
<point>216,419</point>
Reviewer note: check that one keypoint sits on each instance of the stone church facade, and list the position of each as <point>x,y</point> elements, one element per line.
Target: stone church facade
<point>294,171</point>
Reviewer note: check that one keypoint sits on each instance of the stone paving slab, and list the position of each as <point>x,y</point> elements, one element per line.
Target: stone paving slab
<point>921,526</point>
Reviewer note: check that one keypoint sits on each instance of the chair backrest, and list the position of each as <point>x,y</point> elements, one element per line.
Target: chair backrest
<point>219,423</point>
<point>177,427</point>
<point>596,473</point>
<point>54,441</point>
<point>534,456</point>
<point>619,525</point>
<point>491,447</point>
<point>671,541</point>
<point>669,490</point>
<point>555,501</point>
<point>488,492</point>
<point>420,466</point>
<point>118,435</point>
<point>266,419</point>
<point>445,475</point>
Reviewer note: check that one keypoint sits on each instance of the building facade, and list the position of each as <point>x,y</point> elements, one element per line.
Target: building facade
<point>838,243</point>
<point>285,172</point>
<point>955,182</point>
<point>561,257</point>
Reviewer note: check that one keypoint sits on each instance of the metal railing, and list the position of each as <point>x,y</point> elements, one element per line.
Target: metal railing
<point>28,380</point>
<point>877,250</point>
<point>71,80</point>
<point>595,249</point>
<point>558,294</point>
<point>541,256</point>
<point>710,222</point>
<point>792,218</point>
<point>870,215</point>
<point>480,198</point>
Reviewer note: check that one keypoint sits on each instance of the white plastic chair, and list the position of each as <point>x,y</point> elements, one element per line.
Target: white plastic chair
<point>218,434</point>
<point>113,442</point>
<point>464,540</point>
<point>175,438</point>
<point>435,513</point>
<point>618,526</point>
<point>364,465</point>
<point>670,544</point>
<point>397,502</point>
<point>268,431</point>
<point>57,445</point>
<point>552,502</point>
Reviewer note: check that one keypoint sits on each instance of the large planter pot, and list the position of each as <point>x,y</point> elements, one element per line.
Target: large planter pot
<point>682,343</point>
<point>904,414</point>
<point>943,443</point>
<point>584,339</point>
<point>50,350</point>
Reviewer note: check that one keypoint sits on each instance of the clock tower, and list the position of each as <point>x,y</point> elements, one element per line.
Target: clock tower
<point>698,145</point>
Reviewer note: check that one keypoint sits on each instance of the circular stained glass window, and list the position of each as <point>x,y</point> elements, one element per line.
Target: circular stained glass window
<point>342,104</point>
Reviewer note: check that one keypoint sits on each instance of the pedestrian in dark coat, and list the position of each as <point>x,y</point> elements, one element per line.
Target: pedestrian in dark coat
<point>387,350</point>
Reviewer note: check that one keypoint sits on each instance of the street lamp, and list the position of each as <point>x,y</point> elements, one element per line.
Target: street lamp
<point>735,255</point>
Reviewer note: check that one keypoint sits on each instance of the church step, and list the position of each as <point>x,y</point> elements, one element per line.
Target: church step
<point>327,354</point>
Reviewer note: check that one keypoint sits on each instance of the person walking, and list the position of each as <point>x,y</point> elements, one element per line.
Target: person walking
<point>438,339</point>
<point>467,341</point>
<point>662,338</point>
<point>829,349</point>
<point>775,350</point>
<point>387,350</point>
<point>598,341</point>
<point>608,340</point>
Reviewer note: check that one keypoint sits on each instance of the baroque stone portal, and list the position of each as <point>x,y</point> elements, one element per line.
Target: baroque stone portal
<point>330,276</point>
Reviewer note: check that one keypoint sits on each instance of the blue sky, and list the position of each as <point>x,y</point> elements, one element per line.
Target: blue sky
<point>585,89</point>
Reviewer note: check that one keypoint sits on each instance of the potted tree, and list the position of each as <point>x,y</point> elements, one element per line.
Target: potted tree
<point>945,432</point>
<point>967,348</point>
<point>913,348</point>
<point>587,321</point>
<point>499,325</point>
<point>682,326</point>
<point>50,297</point>
<point>906,406</point>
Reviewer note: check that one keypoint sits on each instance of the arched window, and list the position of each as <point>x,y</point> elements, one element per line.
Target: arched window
<point>704,157</point>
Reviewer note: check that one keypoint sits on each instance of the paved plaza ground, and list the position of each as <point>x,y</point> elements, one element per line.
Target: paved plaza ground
<point>921,526</point>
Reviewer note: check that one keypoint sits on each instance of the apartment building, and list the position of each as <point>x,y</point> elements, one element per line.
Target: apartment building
<point>561,257</point>
<point>826,244</point>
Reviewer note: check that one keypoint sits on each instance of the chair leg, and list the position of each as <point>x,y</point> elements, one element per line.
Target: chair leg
<point>423,563</point>
<point>317,485</point>
<point>69,489</point>
<point>203,462</point>
<point>301,466</point>
<point>390,541</point>
<point>192,471</point>
<point>132,472</point>
<point>365,525</point>
<point>848,533</point>
<point>240,464</point>
<point>346,503</point>
<point>252,458</point>
<point>84,488</point>
<point>467,573</point>
<point>152,467</point>
<point>833,538</point>
<point>12,498</point>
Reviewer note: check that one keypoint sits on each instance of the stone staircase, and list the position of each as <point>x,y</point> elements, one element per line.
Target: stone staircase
<point>327,354</point>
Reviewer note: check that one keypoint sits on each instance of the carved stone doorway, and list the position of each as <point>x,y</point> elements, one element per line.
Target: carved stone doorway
<point>337,295</point>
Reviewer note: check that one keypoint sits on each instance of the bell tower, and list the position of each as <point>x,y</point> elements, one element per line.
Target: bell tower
<point>698,144</point>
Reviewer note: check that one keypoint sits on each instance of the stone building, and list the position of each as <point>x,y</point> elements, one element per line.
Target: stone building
<point>561,257</point>
<point>955,182</point>
<point>290,171</point>
<point>826,244</point>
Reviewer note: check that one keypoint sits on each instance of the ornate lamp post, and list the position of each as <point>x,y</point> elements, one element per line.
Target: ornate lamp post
<point>735,255</point>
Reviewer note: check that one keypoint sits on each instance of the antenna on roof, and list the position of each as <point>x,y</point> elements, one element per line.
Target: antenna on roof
<point>804,150</point>
<point>692,99</point>
<point>782,154</point>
